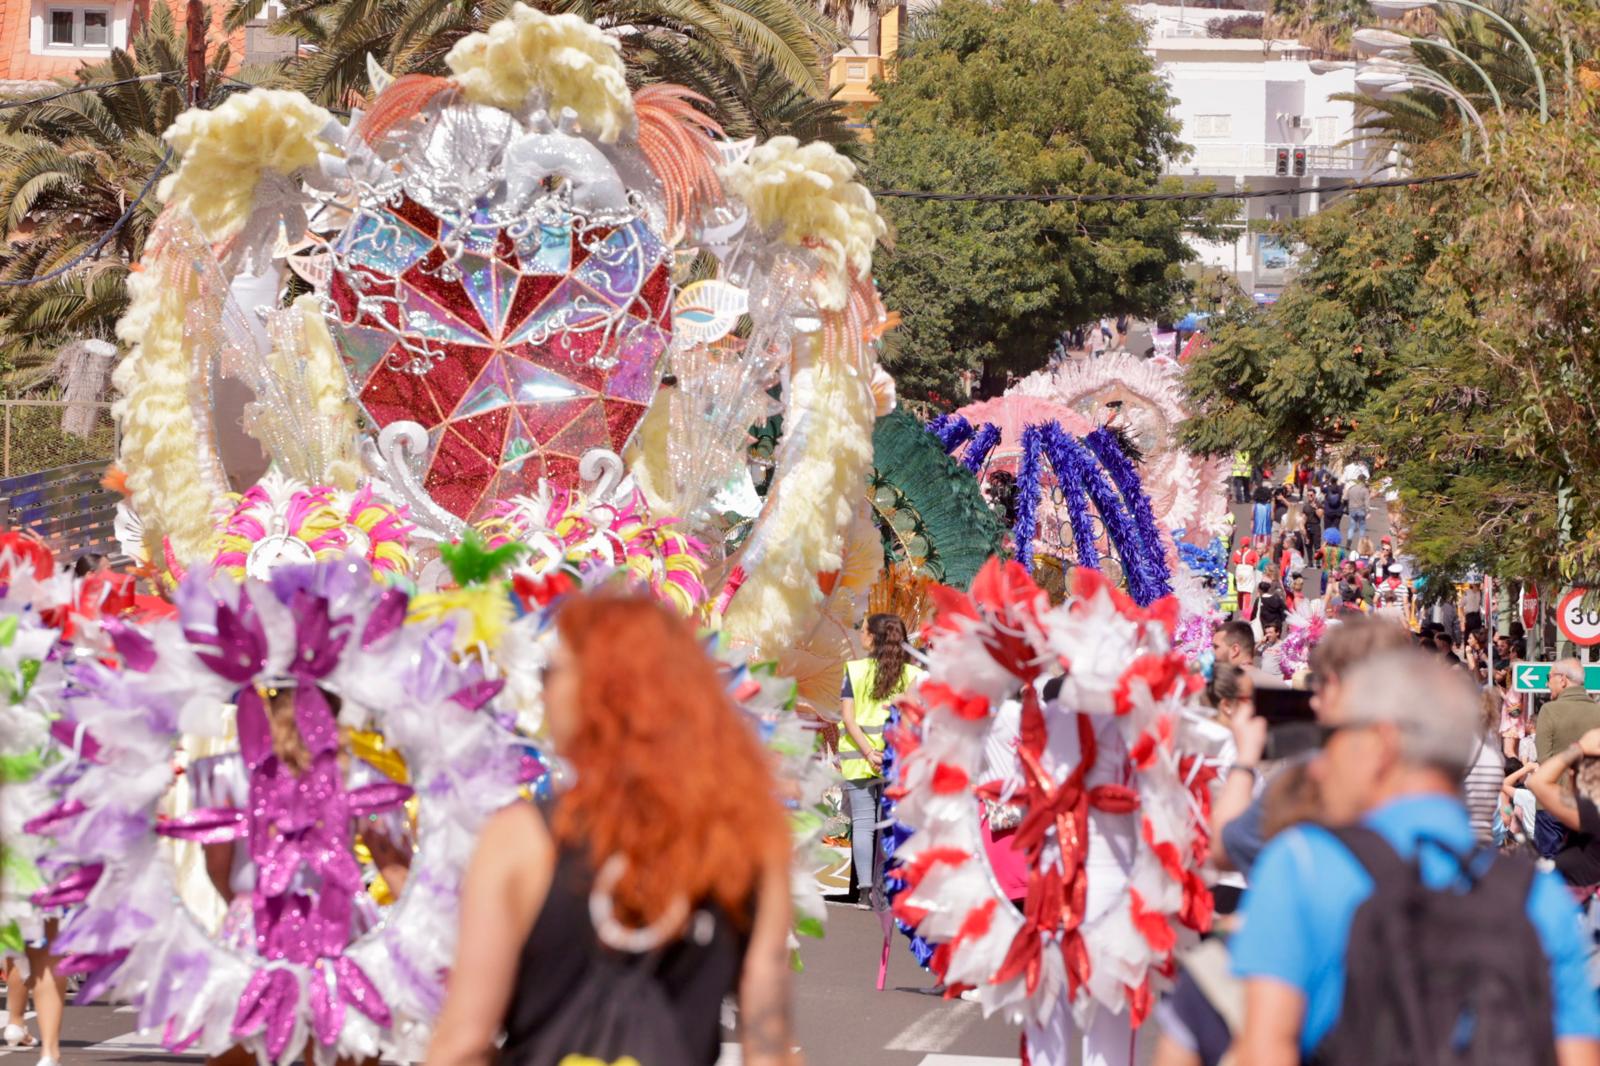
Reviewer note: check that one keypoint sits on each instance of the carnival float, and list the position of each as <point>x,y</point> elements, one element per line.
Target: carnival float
<point>397,382</point>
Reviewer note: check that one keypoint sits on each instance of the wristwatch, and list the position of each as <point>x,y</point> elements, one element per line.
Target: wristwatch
<point>1253,771</point>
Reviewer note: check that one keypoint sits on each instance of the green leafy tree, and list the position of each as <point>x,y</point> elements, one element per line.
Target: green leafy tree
<point>1017,97</point>
<point>1446,332</point>
<point>1283,379</point>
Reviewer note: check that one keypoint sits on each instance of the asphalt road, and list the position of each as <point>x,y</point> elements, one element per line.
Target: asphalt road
<point>840,1018</point>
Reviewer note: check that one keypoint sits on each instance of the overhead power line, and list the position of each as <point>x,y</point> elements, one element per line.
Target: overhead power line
<point>1162,197</point>
<point>104,238</point>
<point>89,87</point>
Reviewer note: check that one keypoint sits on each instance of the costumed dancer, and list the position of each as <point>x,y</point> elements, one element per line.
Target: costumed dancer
<point>294,661</point>
<point>1112,781</point>
<point>42,608</point>
<point>613,920</point>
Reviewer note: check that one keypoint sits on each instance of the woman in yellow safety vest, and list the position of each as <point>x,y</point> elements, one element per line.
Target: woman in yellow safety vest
<point>870,687</point>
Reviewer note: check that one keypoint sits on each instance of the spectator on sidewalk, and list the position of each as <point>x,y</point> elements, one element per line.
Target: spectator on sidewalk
<point>1567,785</point>
<point>1234,644</point>
<point>1333,507</point>
<point>1355,501</point>
<point>1325,909</point>
<point>1236,814</point>
<point>1561,722</point>
<point>1273,610</point>
<point>1311,509</point>
<point>1261,524</point>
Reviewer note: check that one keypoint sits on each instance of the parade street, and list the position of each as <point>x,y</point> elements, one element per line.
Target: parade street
<point>839,1017</point>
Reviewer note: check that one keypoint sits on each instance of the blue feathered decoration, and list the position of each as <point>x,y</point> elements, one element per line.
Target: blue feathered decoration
<point>1209,563</point>
<point>983,442</point>
<point>1074,465</point>
<point>893,835</point>
<point>1028,496</point>
<point>951,430</point>
<point>1108,449</point>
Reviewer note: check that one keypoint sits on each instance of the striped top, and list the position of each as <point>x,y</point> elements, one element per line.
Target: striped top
<point>1481,786</point>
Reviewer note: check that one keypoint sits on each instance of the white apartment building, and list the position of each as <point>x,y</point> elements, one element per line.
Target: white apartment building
<point>1252,109</point>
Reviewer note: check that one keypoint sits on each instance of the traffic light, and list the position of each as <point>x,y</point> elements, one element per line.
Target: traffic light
<point>1283,162</point>
<point>1299,162</point>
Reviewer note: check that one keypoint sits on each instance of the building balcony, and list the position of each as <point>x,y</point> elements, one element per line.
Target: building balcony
<point>852,76</point>
<point>1237,159</point>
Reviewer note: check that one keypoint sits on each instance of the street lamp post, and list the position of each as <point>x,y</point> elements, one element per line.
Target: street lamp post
<point>1398,8</point>
<point>1390,79</point>
<point>1391,45</point>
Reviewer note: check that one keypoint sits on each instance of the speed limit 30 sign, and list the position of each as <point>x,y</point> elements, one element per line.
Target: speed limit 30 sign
<point>1578,623</point>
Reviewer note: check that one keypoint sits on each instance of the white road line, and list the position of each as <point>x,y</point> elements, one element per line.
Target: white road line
<point>967,1060</point>
<point>732,1055</point>
<point>937,1029</point>
<point>143,1043</point>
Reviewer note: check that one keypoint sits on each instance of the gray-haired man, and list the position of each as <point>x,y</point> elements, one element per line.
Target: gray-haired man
<point>1561,722</point>
<point>1401,730</point>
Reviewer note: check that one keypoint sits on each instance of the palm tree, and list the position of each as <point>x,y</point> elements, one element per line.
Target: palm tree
<point>778,107</point>
<point>70,170</point>
<point>1406,122</point>
<point>718,48</point>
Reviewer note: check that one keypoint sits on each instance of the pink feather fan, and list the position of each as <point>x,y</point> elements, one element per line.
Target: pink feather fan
<point>676,139</point>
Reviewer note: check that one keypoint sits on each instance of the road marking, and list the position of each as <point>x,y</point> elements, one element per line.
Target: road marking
<point>937,1029</point>
<point>967,1060</point>
<point>135,1041</point>
<point>732,1055</point>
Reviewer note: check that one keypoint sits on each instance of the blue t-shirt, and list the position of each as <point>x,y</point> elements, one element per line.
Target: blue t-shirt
<point>1306,886</point>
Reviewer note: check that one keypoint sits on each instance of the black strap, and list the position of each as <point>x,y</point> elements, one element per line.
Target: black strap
<point>1392,873</point>
<point>1381,861</point>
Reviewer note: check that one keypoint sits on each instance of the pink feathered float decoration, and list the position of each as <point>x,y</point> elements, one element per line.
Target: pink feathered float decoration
<point>1303,629</point>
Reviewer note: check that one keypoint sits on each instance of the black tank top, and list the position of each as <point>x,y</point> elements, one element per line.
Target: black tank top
<point>575,995</point>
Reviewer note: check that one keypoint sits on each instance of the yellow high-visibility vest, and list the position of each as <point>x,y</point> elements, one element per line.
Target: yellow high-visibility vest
<point>1241,464</point>
<point>1230,600</point>
<point>871,715</point>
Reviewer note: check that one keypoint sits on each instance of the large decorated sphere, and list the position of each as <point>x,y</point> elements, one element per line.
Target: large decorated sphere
<point>517,347</point>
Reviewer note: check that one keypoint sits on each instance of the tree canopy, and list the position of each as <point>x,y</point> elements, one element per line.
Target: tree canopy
<point>1016,97</point>
<point>69,169</point>
<point>1446,331</point>
<point>744,56</point>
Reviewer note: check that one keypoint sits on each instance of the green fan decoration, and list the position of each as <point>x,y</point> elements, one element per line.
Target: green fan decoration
<point>929,508</point>
<point>471,562</point>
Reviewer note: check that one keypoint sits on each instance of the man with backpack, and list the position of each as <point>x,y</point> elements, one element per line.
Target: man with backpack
<point>1333,506</point>
<point>1396,941</point>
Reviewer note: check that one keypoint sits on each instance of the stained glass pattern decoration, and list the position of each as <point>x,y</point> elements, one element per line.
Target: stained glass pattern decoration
<point>518,349</point>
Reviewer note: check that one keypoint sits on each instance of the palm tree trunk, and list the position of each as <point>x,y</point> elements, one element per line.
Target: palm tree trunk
<point>196,28</point>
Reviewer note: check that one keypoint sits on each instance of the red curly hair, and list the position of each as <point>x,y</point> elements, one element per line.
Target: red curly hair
<point>669,774</point>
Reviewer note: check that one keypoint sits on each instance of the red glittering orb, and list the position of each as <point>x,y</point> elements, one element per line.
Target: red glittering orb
<point>516,353</point>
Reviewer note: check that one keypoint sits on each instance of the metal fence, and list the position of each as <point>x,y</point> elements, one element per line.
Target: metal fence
<point>66,506</point>
<point>53,455</point>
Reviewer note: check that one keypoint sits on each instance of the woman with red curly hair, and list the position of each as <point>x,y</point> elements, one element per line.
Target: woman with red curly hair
<point>613,921</point>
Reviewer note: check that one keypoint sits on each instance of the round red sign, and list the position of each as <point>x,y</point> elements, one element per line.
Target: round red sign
<point>1580,624</point>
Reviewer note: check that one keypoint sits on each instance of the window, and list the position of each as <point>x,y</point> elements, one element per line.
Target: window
<point>1327,129</point>
<point>62,27</point>
<point>1214,126</point>
<point>78,27</point>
